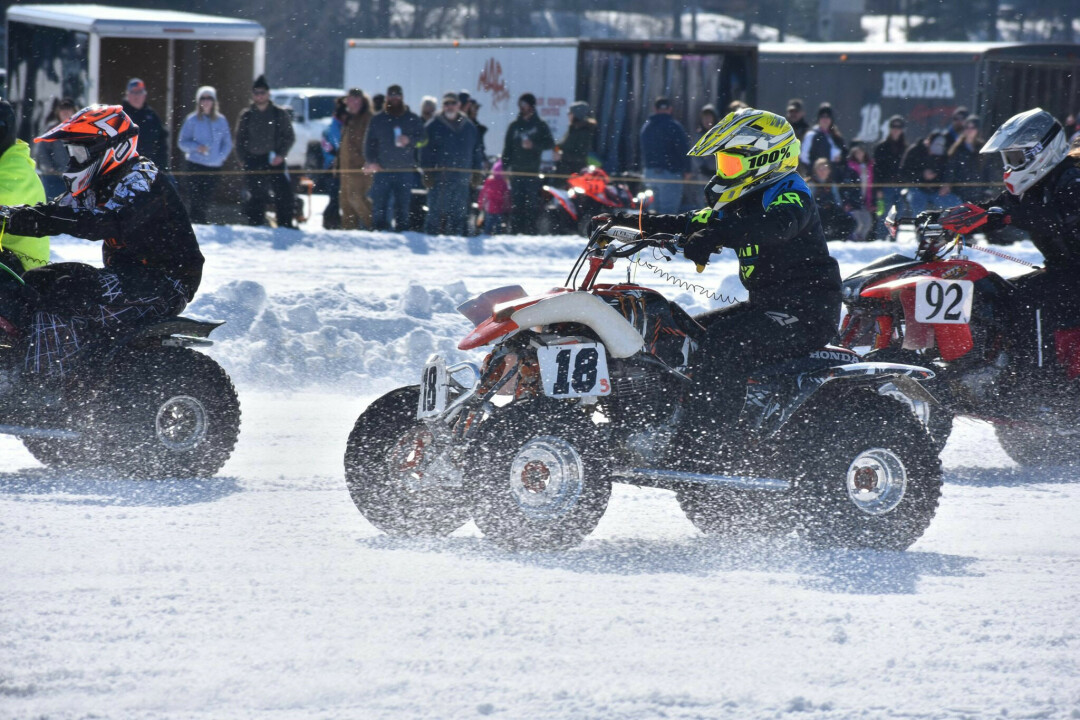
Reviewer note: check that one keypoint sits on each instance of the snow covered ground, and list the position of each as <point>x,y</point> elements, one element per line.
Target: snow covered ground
<point>263,593</point>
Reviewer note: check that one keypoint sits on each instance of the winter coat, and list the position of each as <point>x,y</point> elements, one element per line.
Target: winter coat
<point>817,144</point>
<point>261,132</point>
<point>153,137</point>
<point>888,156</point>
<point>199,129</point>
<point>380,144</point>
<point>494,198</point>
<point>965,165</point>
<point>923,156</point>
<point>351,154</point>
<point>20,185</point>
<point>137,212</point>
<point>331,142</point>
<point>664,144</point>
<point>527,160</point>
<point>861,178</point>
<point>450,144</point>
<point>776,233</point>
<point>575,146</point>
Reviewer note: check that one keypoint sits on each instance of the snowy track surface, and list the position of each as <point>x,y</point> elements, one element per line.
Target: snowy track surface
<point>263,593</point>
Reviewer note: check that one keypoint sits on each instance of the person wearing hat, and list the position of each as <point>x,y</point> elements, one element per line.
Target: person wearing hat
<point>153,136</point>
<point>823,140</point>
<point>664,144</point>
<point>471,108</point>
<point>264,134</point>
<point>356,210</point>
<point>390,152</point>
<point>888,171</point>
<point>796,117</point>
<point>572,152</point>
<point>450,155</point>
<point>526,139</point>
<point>19,185</point>
<point>966,169</point>
<point>956,124</point>
<point>206,143</point>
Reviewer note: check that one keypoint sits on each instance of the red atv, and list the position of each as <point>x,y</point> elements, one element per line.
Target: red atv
<point>588,193</point>
<point>944,310</point>
<point>585,385</point>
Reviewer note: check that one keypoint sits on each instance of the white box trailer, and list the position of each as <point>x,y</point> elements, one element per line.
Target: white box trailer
<point>88,53</point>
<point>618,78</point>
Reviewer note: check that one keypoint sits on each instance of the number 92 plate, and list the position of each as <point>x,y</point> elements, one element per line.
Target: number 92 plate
<point>944,302</point>
<point>578,370</point>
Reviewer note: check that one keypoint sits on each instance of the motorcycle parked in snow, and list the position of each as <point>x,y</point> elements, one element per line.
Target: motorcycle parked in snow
<point>588,193</point>
<point>584,386</point>
<point>944,310</point>
<point>140,403</point>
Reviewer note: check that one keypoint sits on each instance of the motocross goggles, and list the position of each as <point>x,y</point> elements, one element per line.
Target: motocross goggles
<point>1014,159</point>
<point>730,166</point>
<point>78,153</point>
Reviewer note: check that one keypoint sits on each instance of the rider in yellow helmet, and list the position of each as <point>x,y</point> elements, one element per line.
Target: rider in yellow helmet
<point>758,206</point>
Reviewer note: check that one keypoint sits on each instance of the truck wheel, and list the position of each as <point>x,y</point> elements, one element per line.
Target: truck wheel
<point>1038,445</point>
<point>537,477</point>
<point>168,413</point>
<point>388,453</point>
<point>735,513</point>
<point>866,473</point>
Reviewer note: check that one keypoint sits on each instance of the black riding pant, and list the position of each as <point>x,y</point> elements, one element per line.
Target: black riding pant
<point>1045,301</point>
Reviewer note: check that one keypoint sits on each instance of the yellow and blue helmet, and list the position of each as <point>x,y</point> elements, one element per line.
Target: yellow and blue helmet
<point>753,148</point>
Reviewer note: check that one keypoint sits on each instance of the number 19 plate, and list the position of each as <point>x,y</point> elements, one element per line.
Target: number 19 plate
<point>574,370</point>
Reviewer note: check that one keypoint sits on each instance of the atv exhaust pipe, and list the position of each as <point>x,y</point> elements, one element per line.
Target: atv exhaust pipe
<point>667,479</point>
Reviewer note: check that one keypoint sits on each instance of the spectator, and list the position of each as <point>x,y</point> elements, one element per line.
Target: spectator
<point>925,164</point>
<point>264,135</point>
<point>494,200</point>
<point>664,145</point>
<point>153,137</point>
<point>449,151</point>
<point>835,221</point>
<point>859,198</point>
<point>526,139</point>
<point>1072,126</point>
<point>736,105</point>
<point>19,185</point>
<point>355,181</point>
<point>377,103</point>
<point>206,142</point>
<point>888,157</point>
<point>429,105</point>
<point>823,140</point>
<point>572,152</point>
<point>956,125</point>
<point>52,158</point>
<point>797,117</point>
<point>471,108</point>
<point>331,147</point>
<point>390,151</point>
<point>704,167</point>
<point>965,165</point>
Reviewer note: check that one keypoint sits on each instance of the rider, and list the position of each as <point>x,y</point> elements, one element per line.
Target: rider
<point>1042,196</point>
<point>18,184</point>
<point>152,263</point>
<point>760,207</point>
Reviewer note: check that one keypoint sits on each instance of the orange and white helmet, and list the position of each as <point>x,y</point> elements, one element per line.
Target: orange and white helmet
<point>99,139</point>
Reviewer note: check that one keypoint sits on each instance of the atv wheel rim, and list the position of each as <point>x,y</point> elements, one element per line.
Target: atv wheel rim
<point>547,477</point>
<point>181,423</point>
<point>408,459</point>
<point>876,481</point>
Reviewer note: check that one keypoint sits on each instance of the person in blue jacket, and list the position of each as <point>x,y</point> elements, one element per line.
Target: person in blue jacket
<point>449,154</point>
<point>664,144</point>
<point>206,142</point>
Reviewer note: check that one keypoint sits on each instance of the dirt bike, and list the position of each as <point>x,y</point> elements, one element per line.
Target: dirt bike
<point>585,386</point>
<point>588,193</point>
<point>141,402</point>
<point>944,310</point>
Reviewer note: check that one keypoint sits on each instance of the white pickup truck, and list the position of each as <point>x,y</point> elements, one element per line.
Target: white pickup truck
<point>311,109</point>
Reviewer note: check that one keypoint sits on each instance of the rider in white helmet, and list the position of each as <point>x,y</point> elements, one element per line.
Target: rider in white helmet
<point>1042,197</point>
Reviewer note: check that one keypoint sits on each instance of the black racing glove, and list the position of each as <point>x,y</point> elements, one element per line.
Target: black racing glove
<point>24,220</point>
<point>698,248</point>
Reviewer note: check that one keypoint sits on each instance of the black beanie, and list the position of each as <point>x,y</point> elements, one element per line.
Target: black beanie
<point>529,99</point>
<point>260,83</point>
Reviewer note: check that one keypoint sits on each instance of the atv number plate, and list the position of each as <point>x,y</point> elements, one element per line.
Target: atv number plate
<point>574,370</point>
<point>434,388</point>
<point>944,302</point>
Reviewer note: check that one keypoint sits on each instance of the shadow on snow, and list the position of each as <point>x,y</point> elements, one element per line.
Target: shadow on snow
<point>78,487</point>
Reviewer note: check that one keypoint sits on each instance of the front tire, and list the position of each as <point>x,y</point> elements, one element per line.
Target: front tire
<point>387,452</point>
<point>866,472</point>
<point>538,478</point>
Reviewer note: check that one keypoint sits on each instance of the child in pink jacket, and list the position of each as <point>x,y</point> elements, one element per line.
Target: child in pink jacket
<point>494,199</point>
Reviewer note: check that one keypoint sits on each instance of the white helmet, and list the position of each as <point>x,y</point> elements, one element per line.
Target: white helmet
<point>1031,144</point>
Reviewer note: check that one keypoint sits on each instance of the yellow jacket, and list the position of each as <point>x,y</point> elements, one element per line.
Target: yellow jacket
<point>20,185</point>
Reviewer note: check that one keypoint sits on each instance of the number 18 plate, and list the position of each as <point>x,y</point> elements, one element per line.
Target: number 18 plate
<point>574,370</point>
